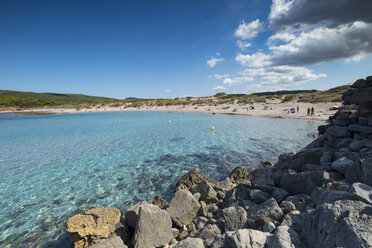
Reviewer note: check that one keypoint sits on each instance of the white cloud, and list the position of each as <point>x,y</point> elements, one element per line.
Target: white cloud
<point>167,91</point>
<point>236,80</point>
<point>219,76</point>
<point>254,60</point>
<point>212,62</point>
<point>247,31</point>
<point>219,87</point>
<point>286,37</point>
<point>243,45</point>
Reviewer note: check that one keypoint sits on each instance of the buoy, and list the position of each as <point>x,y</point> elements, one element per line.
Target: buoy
<point>212,128</point>
<point>169,122</point>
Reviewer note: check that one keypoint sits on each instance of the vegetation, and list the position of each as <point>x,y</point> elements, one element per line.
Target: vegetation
<point>32,100</point>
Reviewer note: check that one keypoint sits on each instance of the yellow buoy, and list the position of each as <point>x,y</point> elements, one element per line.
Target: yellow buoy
<point>212,128</point>
<point>169,122</point>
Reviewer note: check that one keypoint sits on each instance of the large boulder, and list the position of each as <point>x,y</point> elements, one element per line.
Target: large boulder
<point>300,201</point>
<point>240,175</point>
<point>113,242</point>
<point>207,193</point>
<point>263,179</point>
<point>131,215</point>
<point>284,237</point>
<point>304,182</point>
<point>361,171</point>
<point>336,132</point>
<point>342,165</point>
<point>190,243</point>
<point>209,232</point>
<point>191,179</point>
<point>93,226</point>
<point>153,228</point>
<point>344,223</point>
<point>235,218</point>
<point>246,238</point>
<point>363,191</point>
<point>183,208</point>
<point>267,211</point>
<point>306,156</point>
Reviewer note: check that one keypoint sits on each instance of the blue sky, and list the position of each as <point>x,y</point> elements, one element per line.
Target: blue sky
<point>174,48</point>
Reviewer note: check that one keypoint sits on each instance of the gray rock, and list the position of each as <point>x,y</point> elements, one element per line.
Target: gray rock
<point>363,121</point>
<point>326,158</point>
<point>279,194</point>
<point>203,209</point>
<point>284,237</point>
<point>240,175</point>
<point>300,201</point>
<point>356,145</point>
<point>191,227</point>
<point>293,220</point>
<point>355,156</point>
<point>235,218</point>
<point>246,238</point>
<point>360,129</point>
<point>208,232</point>
<point>361,171</point>
<point>342,120</point>
<point>342,165</point>
<point>335,132</point>
<point>191,179</point>
<point>304,182</point>
<point>113,242</point>
<point>267,211</point>
<point>175,232</point>
<point>320,196</point>
<point>263,179</point>
<point>207,193</point>
<point>258,196</point>
<point>153,228</point>
<point>342,142</point>
<point>287,206</point>
<point>190,243</point>
<point>363,191</point>
<point>131,215</point>
<point>344,223</point>
<point>316,167</point>
<point>284,159</point>
<point>200,222</point>
<point>268,227</point>
<point>305,156</point>
<point>183,208</point>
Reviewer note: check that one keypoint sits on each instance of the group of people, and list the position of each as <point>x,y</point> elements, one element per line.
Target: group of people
<point>310,111</point>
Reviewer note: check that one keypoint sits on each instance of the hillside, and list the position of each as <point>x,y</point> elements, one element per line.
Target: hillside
<point>33,100</point>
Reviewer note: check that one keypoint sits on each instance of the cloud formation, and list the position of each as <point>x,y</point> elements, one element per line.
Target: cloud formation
<point>219,87</point>
<point>236,80</point>
<point>212,62</point>
<point>247,31</point>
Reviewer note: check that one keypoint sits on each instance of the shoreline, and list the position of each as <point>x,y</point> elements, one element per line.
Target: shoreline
<point>274,110</point>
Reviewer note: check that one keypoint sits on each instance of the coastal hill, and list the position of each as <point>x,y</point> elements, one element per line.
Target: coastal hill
<point>20,99</point>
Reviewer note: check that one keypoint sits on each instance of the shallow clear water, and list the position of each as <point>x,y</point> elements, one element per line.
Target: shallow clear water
<point>57,165</point>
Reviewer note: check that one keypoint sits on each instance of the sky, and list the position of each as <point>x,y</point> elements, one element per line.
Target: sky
<point>178,48</point>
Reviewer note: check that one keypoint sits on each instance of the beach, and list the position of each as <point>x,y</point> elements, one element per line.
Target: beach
<point>271,109</point>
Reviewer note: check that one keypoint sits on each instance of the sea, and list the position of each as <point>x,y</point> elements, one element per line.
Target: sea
<point>55,166</point>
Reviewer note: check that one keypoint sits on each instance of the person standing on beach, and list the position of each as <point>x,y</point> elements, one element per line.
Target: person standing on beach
<point>312,110</point>
<point>298,109</point>
<point>308,111</point>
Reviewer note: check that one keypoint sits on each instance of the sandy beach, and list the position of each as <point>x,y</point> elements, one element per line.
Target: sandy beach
<point>273,109</point>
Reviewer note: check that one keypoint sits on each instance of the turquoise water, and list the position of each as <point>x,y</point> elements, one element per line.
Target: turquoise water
<point>57,165</point>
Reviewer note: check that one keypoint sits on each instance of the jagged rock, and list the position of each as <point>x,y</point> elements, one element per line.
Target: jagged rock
<point>159,201</point>
<point>342,120</point>
<point>318,142</point>
<point>240,175</point>
<point>305,156</point>
<point>287,206</point>
<point>183,207</point>
<point>258,196</point>
<point>355,156</point>
<point>263,179</point>
<point>343,142</point>
<point>113,242</point>
<point>246,238</point>
<point>361,171</point>
<point>360,129</point>
<point>267,211</point>
<point>344,223</point>
<point>342,165</point>
<point>304,182</point>
<point>153,227</point>
<point>335,132</point>
<point>131,215</point>
<point>207,193</point>
<point>235,218</point>
<point>284,237</point>
<point>268,227</point>
<point>93,226</point>
<point>300,201</point>
<point>190,243</point>
<point>293,220</point>
<point>267,164</point>
<point>191,227</point>
<point>320,196</point>
<point>363,191</point>
<point>356,145</point>
<point>208,232</point>
<point>191,179</point>
<point>326,158</point>
<point>284,159</point>
<point>279,194</point>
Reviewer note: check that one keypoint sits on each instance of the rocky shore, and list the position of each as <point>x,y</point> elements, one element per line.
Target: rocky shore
<point>318,197</point>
